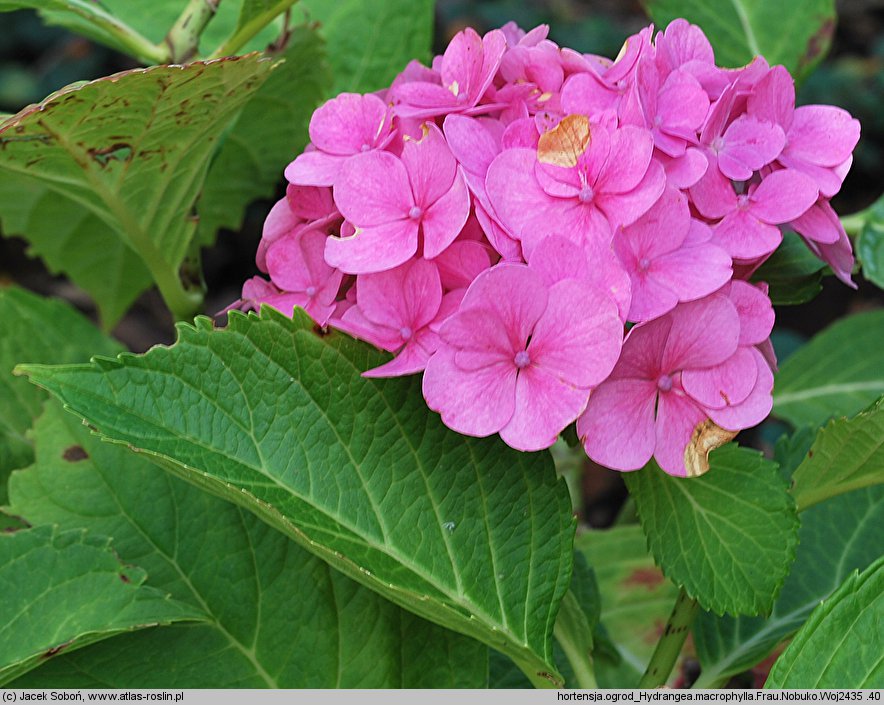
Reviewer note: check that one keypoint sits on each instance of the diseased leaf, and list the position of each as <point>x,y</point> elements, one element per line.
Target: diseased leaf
<point>276,615</point>
<point>131,150</point>
<point>276,417</point>
<point>267,135</point>
<point>636,600</point>
<point>357,33</point>
<point>35,329</point>
<point>63,590</point>
<point>838,373</point>
<point>793,273</point>
<point>795,33</point>
<point>728,537</point>
<point>841,644</point>
<point>835,538</point>
<point>848,454</point>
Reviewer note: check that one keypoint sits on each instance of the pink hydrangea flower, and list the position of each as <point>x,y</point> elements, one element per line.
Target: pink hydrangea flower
<point>674,375</point>
<point>519,357</point>
<point>390,200</point>
<point>347,125</point>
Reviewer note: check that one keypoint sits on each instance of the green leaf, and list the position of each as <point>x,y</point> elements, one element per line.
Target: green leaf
<point>635,600</point>
<point>870,244</point>
<point>793,273</point>
<point>254,15</point>
<point>72,240</point>
<point>275,416</point>
<point>35,329</point>
<point>133,150</point>
<point>836,537</point>
<point>63,590</point>
<point>848,454</point>
<point>838,373</point>
<point>795,33</point>
<point>276,615</point>
<point>841,644</point>
<point>728,537</point>
<point>370,42</point>
<point>267,135</point>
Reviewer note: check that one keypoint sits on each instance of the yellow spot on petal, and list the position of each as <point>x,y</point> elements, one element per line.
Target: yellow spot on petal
<point>707,436</point>
<point>622,51</point>
<point>454,87</point>
<point>544,97</point>
<point>563,145</point>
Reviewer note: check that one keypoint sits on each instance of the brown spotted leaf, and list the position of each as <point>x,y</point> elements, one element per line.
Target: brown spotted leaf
<point>563,145</point>
<point>130,154</point>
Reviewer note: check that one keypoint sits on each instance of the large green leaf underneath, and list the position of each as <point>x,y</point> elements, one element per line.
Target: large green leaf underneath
<point>792,273</point>
<point>795,33</point>
<point>74,241</point>
<point>275,416</point>
<point>35,330</point>
<point>132,150</point>
<point>870,244</point>
<point>838,373</point>
<point>370,42</point>
<point>277,616</point>
<point>635,597</point>
<point>836,537</point>
<point>847,454</point>
<point>841,645</point>
<point>267,135</point>
<point>728,537</point>
<point>65,589</point>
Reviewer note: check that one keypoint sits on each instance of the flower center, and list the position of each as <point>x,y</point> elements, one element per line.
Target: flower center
<point>522,359</point>
<point>717,144</point>
<point>406,332</point>
<point>742,201</point>
<point>664,383</point>
<point>585,194</point>
<point>310,291</point>
<point>365,147</point>
<point>644,263</point>
<point>415,213</point>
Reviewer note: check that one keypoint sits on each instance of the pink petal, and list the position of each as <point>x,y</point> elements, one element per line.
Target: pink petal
<point>476,403</point>
<point>773,99</point>
<point>682,103</point>
<point>713,195</point>
<point>462,262</point>
<point>310,202</point>
<point>662,229</point>
<point>704,333</point>
<point>677,417</point>
<point>412,358</point>
<point>681,42</point>
<point>315,169</point>
<point>445,218</point>
<point>578,337</point>
<point>817,223</point>
<point>373,189</point>
<point>839,256</point>
<point>727,384</point>
<point>430,165</point>
<point>373,249</point>
<point>408,296</point>
<point>628,160</point>
<point>586,94</point>
<point>617,428</point>
<point>500,240</point>
<point>745,237</point>
<point>643,349</point>
<point>749,144</point>
<point>757,405</point>
<point>479,337</point>
<point>626,208</point>
<point>419,99</point>
<point>650,298</point>
<point>685,171</point>
<point>823,135</point>
<point>693,272</point>
<point>556,258</point>
<point>755,310</point>
<point>782,196</point>
<point>348,124</point>
<point>545,405</point>
<point>472,143</point>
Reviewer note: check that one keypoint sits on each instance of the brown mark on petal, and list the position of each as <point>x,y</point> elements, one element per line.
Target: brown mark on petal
<point>563,145</point>
<point>74,454</point>
<point>707,436</point>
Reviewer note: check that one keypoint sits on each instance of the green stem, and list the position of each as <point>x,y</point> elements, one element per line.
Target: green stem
<point>134,43</point>
<point>854,222</point>
<point>580,661</point>
<point>183,38</point>
<point>669,646</point>
<point>574,634</point>
<point>249,29</point>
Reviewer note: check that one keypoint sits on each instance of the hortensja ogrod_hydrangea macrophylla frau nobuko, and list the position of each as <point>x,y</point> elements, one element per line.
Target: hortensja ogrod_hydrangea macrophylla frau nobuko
<point>547,235</point>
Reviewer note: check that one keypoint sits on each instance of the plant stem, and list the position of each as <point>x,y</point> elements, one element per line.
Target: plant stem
<point>580,661</point>
<point>669,646</point>
<point>249,29</point>
<point>183,38</point>
<point>131,41</point>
